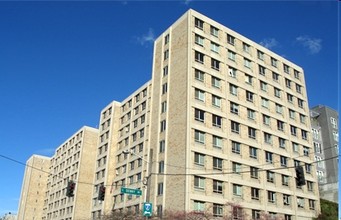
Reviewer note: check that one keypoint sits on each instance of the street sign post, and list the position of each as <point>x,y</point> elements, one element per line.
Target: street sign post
<point>147,209</point>
<point>131,191</point>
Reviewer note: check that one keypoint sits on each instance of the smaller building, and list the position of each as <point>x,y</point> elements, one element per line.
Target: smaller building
<point>33,189</point>
<point>9,216</point>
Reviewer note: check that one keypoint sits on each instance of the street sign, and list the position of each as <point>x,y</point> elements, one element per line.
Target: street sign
<point>147,209</point>
<point>131,191</point>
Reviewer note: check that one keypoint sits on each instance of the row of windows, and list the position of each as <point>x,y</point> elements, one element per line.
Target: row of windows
<point>138,97</point>
<point>138,109</point>
<point>231,40</point>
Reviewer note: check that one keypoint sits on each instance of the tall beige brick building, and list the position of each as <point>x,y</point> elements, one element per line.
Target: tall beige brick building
<point>73,160</point>
<point>226,120</point>
<point>33,189</point>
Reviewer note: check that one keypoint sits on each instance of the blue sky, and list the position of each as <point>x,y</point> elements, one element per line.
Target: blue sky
<point>62,62</point>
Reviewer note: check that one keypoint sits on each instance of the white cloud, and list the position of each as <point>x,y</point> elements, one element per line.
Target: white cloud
<point>313,44</point>
<point>186,2</point>
<point>269,43</point>
<point>149,37</point>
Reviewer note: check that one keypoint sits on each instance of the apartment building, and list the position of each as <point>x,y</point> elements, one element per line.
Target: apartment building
<point>73,160</point>
<point>33,188</point>
<point>229,121</point>
<point>327,170</point>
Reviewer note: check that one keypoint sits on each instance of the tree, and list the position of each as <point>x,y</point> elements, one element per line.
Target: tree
<point>329,210</point>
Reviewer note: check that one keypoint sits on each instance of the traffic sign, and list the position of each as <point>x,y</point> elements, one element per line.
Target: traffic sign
<point>131,191</point>
<point>147,209</point>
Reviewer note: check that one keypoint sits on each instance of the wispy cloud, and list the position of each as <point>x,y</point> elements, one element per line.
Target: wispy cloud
<point>186,2</point>
<point>269,43</point>
<point>312,44</point>
<point>149,37</point>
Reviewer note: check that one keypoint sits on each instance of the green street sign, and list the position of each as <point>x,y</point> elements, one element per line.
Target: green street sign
<point>131,191</point>
<point>147,209</point>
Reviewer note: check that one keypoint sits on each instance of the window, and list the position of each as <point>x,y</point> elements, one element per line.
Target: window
<point>255,193</point>
<point>199,75</point>
<point>214,64</point>
<point>288,83</point>
<point>300,202</point>
<point>162,146</point>
<point>308,168</point>
<point>199,23</point>
<point>165,71</point>
<point>267,138</point>
<point>317,147</point>
<point>237,190</point>
<point>252,133</point>
<point>311,204</point>
<point>246,48</point>
<point>281,142</point>
<point>216,82</point>
<point>306,151</point>
<point>292,114</point>
<point>260,55</point>
<point>270,176</point>
<point>164,107</point>
<point>298,88</point>
<point>277,92</point>
<point>254,172</point>
<point>266,120</point>
<point>216,121</point>
<point>335,135</point>
<point>256,214</point>
<point>236,147</point>
<point>159,189</point>
<point>164,88</point>
<point>305,135</point>
<point>296,74</point>
<point>253,152</point>
<point>333,122</point>
<point>199,136</point>
<point>232,72</point>
<point>167,39</point>
<point>247,63</point>
<point>217,142</point>
<point>248,79</point>
<point>234,108</point>
<point>275,76</point>
<point>271,197</point>
<point>263,86</point>
<point>199,57</point>
<point>217,186</point>
<point>287,217</point>
<point>236,167</point>
<point>230,39</point>
<point>286,68</point>
<point>217,163</point>
<point>199,182</point>
<point>280,125</point>
<point>235,127</point>
<point>214,31</point>
<point>249,96</point>
<point>268,157</point>
<point>199,95</point>
<point>161,167</point>
<point>231,55</point>
<point>233,89</point>
<point>286,199</point>
<point>214,47</point>
<point>199,115</point>
<point>217,210</point>
<point>199,40</point>
<point>265,102</point>
<point>285,180</point>
<point>199,159</point>
<point>290,98</point>
<point>199,206</point>
<point>251,114</point>
<point>295,147</point>
<point>300,103</point>
<point>284,161</point>
<point>216,101</point>
<point>261,70</point>
<point>293,130</point>
<point>273,62</point>
<point>302,118</point>
<point>166,54</point>
<point>310,186</point>
<point>162,125</point>
<point>279,108</point>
